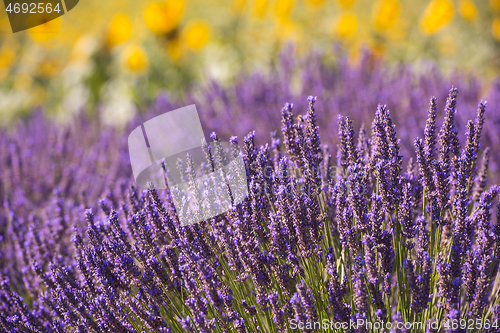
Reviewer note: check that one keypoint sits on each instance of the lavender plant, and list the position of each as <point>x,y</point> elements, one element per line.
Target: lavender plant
<point>358,241</point>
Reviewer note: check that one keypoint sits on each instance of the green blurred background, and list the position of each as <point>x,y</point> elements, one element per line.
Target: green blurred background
<point>116,56</point>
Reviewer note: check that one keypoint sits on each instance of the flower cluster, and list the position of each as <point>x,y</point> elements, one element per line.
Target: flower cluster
<point>372,238</point>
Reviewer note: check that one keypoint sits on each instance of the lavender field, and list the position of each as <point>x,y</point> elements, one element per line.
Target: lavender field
<point>370,201</point>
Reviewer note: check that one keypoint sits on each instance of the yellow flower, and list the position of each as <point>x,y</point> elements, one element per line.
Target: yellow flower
<point>260,8</point>
<point>286,29</point>
<point>134,59</point>
<point>119,30</point>
<point>316,3</point>
<point>385,14</point>
<point>495,4</point>
<point>173,47</point>
<point>7,56</point>
<point>163,17</point>
<point>495,29</point>
<point>436,16</point>
<point>346,3</point>
<point>239,6</point>
<point>196,34</point>
<point>283,8</point>
<point>468,10</point>
<point>43,32</point>
<point>48,68</point>
<point>346,25</point>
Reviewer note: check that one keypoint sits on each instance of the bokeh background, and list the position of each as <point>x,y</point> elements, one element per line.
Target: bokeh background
<point>115,57</point>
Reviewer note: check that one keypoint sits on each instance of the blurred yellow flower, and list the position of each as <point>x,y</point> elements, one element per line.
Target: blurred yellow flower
<point>495,4</point>
<point>287,29</point>
<point>196,34</point>
<point>259,8</point>
<point>283,8</point>
<point>399,32</point>
<point>174,49</point>
<point>163,17</point>
<point>495,28</point>
<point>316,3</point>
<point>239,6</point>
<point>468,10</point>
<point>436,16</point>
<point>48,68</point>
<point>119,30</point>
<point>7,56</point>
<point>346,25</point>
<point>134,59</point>
<point>45,31</point>
<point>346,3</point>
<point>385,14</point>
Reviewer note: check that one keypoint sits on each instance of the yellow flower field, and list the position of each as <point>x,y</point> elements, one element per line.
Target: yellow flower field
<point>134,49</point>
